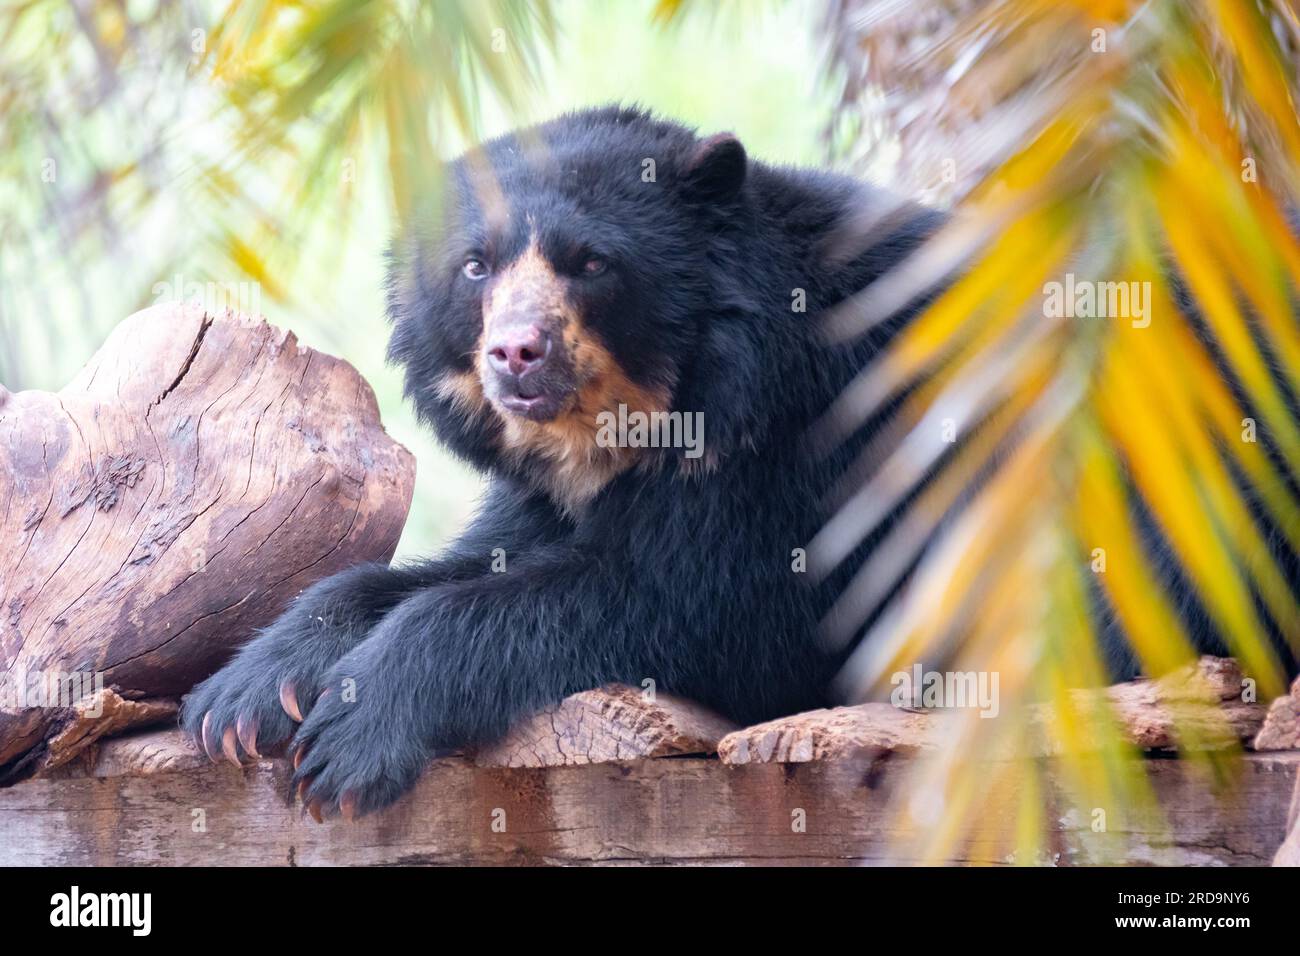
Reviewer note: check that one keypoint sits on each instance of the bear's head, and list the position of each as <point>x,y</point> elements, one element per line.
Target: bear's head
<point>570,269</point>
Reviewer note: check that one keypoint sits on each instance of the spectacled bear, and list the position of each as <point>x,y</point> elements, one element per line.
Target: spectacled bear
<point>605,267</point>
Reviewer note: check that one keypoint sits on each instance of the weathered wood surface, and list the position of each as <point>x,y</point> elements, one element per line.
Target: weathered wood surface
<point>1203,701</point>
<point>1206,702</point>
<point>840,733</point>
<point>199,472</point>
<point>1288,854</point>
<point>614,723</point>
<point>1281,729</point>
<point>151,799</point>
<point>102,714</point>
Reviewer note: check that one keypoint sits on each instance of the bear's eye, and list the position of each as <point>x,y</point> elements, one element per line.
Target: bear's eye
<point>593,266</point>
<point>475,268</point>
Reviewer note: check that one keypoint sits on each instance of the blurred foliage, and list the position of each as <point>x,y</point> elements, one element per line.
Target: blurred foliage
<point>232,134</point>
<point>1147,142</point>
<point>87,158</point>
<point>200,141</point>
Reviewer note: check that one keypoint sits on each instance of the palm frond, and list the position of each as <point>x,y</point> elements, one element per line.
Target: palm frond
<point>1154,159</point>
<point>259,125</point>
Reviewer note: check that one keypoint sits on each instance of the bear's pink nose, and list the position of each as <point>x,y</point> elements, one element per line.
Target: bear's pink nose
<point>518,349</point>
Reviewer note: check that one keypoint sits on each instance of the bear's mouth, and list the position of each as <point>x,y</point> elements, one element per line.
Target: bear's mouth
<point>536,398</point>
<point>539,407</point>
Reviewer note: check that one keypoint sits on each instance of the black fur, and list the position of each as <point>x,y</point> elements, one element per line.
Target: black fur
<point>676,575</point>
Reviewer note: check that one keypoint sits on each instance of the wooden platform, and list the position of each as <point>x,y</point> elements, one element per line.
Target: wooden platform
<point>150,799</point>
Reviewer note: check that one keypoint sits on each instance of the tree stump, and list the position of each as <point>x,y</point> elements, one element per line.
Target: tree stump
<point>193,478</point>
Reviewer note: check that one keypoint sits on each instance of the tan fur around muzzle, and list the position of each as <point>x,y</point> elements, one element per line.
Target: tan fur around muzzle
<point>529,289</point>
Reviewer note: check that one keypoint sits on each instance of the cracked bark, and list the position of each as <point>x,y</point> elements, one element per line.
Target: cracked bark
<point>614,723</point>
<point>199,472</point>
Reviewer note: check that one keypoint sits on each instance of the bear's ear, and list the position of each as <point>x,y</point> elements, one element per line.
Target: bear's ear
<point>716,169</point>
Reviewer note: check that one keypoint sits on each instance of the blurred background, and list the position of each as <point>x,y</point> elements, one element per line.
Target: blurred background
<point>138,130</point>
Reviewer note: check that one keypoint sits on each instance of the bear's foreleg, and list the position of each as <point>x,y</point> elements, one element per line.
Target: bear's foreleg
<point>458,664</point>
<point>254,703</point>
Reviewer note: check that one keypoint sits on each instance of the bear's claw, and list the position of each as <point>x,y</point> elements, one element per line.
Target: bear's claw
<point>351,758</point>
<point>246,730</point>
<point>348,805</point>
<point>289,700</point>
<point>229,747</point>
<point>238,715</point>
<point>203,736</point>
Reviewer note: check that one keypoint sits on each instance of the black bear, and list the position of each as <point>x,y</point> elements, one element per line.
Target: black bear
<point>585,289</point>
<point>604,269</point>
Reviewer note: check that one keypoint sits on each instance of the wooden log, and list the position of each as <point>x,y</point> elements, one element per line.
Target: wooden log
<point>1281,728</point>
<point>1203,701</point>
<point>614,723</point>
<point>102,714</point>
<point>1288,854</point>
<point>151,799</point>
<point>198,473</point>
<point>836,734</point>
